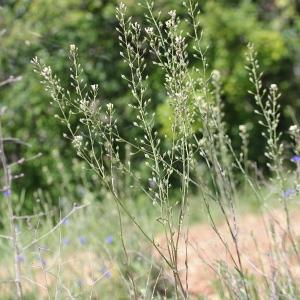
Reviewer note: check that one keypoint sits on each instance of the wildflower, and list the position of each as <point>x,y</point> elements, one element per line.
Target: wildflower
<point>243,128</point>
<point>172,13</point>
<point>274,87</point>
<point>77,141</point>
<point>288,193</point>
<point>94,87</point>
<point>20,258</point>
<point>149,30</point>
<point>65,221</point>
<point>109,239</point>
<point>7,193</point>
<point>294,128</point>
<point>72,47</point>
<point>84,105</point>
<point>46,72</point>
<point>105,271</point>
<point>66,241</point>
<point>109,106</point>
<point>296,159</point>
<point>216,75</point>
<point>42,261</point>
<point>82,240</point>
<point>179,39</point>
<point>169,23</point>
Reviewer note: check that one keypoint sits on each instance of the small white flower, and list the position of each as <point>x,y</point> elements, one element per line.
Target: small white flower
<point>172,13</point>
<point>136,26</point>
<point>35,60</point>
<point>94,87</point>
<point>109,106</point>
<point>84,105</point>
<point>294,128</point>
<point>77,141</point>
<point>216,75</point>
<point>46,72</point>
<point>72,47</point>
<point>149,30</point>
<point>243,128</point>
<point>169,23</point>
<point>179,39</point>
<point>274,87</point>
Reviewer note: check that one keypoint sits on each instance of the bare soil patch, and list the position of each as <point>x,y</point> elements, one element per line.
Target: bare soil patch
<point>257,236</point>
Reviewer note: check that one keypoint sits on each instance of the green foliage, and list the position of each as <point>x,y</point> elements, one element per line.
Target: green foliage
<point>44,28</point>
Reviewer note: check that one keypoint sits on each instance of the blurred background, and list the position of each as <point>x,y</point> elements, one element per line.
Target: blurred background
<point>46,28</point>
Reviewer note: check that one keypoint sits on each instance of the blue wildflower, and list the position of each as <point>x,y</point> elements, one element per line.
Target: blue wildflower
<point>7,193</point>
<point>66,241</point>
<point>82,240</point>
<point>296,159</point>
<point>20,258</point>
<point>42,261</point>
<point>288,193</point>
<point>106,273</point>
<point>65,221</point>
<point>109,239</point>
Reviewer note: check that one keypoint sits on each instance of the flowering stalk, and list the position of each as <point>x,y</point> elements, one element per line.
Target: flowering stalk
<point>13,227</point>
<point>269,111</point>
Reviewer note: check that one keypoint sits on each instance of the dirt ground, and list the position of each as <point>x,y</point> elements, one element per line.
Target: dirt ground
<point>204,249</point>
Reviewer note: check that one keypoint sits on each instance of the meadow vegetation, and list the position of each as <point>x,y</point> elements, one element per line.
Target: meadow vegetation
<point>201,134</point>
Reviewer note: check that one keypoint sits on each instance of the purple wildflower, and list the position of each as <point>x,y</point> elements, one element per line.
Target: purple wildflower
<point>42,261</point>
<point>296,159</point>
<point>7,193</point>
<point>20,258</point>
<point>106,273</point>
<point>288,193</point>
<point>66,241</point>
<point>65,221</point>
<point>82,240</point>
<point>109,239</point>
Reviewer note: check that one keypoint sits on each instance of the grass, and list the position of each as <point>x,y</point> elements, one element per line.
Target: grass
<point>85,253</point>
<point>85,248</point>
